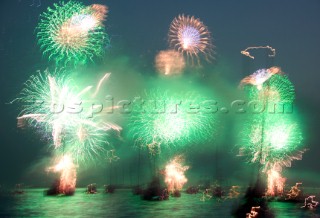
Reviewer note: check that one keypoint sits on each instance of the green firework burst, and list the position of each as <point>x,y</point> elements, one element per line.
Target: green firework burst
<point>171,120</point>
<point>64,37</point>
<point>87,141</point>
<point>53,104</point>
<point>44,97</point>
<point>271,139</point>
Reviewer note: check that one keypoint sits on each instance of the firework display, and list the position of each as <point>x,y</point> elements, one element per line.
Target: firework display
<point>190,36</point>
<point>71,33</point>
<point>177,105</point>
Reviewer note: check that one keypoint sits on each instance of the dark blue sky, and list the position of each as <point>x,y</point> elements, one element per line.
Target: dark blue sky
<point>138,30</point>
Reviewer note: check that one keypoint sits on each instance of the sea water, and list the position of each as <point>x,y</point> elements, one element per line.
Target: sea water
<point>123,203</point>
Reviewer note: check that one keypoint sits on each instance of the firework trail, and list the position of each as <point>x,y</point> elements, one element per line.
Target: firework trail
<point>247,53</point>
<point>190,36</point>
<point>72,33</point>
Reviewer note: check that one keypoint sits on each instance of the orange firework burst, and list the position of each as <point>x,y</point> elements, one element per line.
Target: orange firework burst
<point>99,11</point>
<point>190,36</point>
<point>174,174</point>
<point>75,31</point>
<point>260,76</point>
<point>71,36</point>
<point>169,62</point>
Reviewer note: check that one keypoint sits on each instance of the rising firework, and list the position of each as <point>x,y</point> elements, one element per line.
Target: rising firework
<point>174,174</point>
<point>275,186</point>
<point>190,36</point>
<point>68,175</point>
<point>72,33</point>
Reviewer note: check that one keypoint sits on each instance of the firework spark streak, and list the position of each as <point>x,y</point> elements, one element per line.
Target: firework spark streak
<point>72,33</point>
<point>247,53</point>
<point>105,77</point>
<point>310,203</point>
<point>294,191</point>
<point>174,174</point>
<point>52,104</point>
<point>190,36</point>
<point>253,213</point>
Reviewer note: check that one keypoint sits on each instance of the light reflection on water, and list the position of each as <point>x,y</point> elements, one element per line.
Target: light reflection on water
<point>124,204</point>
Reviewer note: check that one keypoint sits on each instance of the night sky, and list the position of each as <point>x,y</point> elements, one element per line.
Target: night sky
<point>138,31</point>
